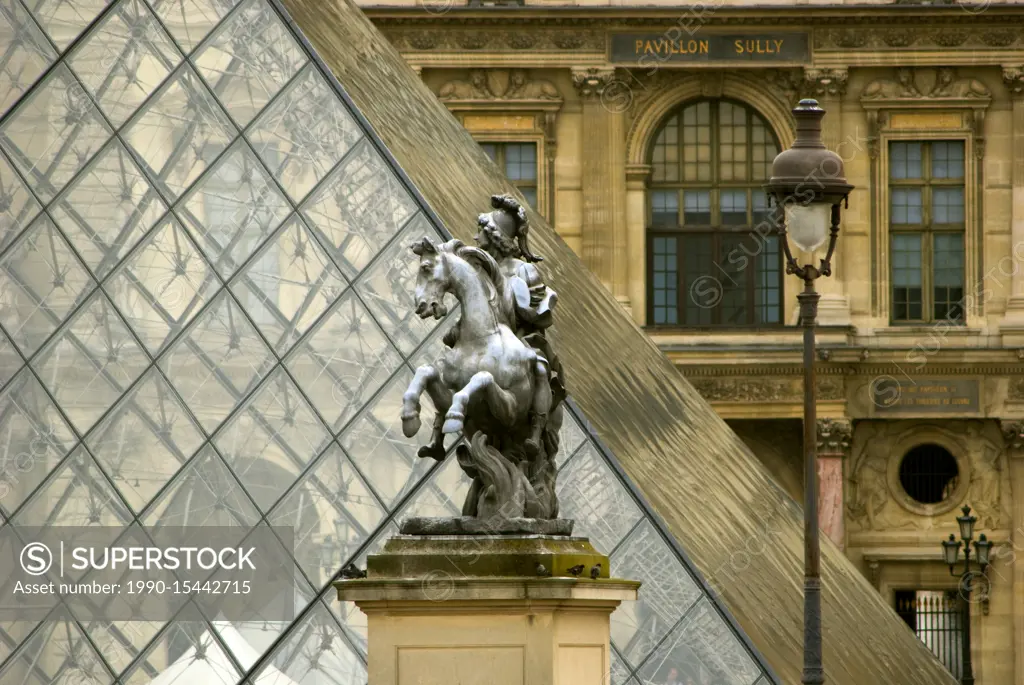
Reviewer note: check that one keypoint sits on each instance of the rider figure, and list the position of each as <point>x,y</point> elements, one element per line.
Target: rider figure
<point>503,234</point>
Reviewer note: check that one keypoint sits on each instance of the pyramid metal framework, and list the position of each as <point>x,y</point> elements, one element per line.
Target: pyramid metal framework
<point>205,319</point>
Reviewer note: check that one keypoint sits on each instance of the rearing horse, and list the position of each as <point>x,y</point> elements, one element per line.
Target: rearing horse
<point>486,381</point>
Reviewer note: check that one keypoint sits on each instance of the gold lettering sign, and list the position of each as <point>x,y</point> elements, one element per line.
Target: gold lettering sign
<point>925,120</point>
<point>931,395</point>
<point>673,45</point>
<point>498,122</point>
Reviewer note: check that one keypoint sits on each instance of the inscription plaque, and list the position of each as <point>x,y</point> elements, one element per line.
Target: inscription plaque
<point>673,45</point>
<point>925,395</point>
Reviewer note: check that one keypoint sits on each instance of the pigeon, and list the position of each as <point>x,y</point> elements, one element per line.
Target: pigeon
<point>350,572</point>
<point>595,571</point>
<point>576,570</point>
<point>542,570</point>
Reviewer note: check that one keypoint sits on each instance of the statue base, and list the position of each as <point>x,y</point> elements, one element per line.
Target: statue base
<point>469,525</point>
<point>487,610</point>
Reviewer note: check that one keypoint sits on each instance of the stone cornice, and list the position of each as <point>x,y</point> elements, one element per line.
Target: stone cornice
<point>691,371</point>
<point>547,33</point>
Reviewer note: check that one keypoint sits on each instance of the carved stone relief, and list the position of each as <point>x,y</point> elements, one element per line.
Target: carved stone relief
<point>764,389</point>
<point>925,83</point>
<point>449,38</point>
<point>834,436</point>
<point>499,84</point>
<point>914,38</point>
<point>876,500</point>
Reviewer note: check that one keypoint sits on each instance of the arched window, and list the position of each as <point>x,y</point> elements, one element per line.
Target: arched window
<point>713,256</point>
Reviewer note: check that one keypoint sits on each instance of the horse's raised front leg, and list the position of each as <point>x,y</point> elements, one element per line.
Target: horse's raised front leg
<point>411,399</point>
<point>501,402</point>
<point>441,396</point>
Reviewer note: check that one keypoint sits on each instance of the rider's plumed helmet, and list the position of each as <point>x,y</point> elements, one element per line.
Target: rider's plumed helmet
<point>508,226</point>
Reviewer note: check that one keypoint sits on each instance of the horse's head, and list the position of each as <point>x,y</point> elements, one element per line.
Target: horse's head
<point>432,279</point>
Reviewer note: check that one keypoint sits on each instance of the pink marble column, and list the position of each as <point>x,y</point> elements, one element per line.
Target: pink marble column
<point>834,437</point>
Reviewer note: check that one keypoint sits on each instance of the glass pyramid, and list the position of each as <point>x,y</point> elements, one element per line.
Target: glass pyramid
<point>205,319</point>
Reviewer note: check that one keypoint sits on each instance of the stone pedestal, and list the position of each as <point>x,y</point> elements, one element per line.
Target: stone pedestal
<point>487,610</point>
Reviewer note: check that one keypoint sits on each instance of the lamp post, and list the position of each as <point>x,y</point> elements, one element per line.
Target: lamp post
<point>951,551</point>
<point>807,187</point>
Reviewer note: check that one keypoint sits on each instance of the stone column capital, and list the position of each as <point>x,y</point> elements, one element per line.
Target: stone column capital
<point>1013,78</point>
<point>1013,434</point>
<point>590,82</point>
<point>637,175</point>
<point>834,437</point>
<point>825,82</point>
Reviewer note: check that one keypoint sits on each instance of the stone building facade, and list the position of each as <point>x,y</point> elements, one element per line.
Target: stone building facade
<point>644,135</point>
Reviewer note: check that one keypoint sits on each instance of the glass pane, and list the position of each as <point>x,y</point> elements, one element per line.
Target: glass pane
<point>53,133</point>
<point>733,280</point>
<point>948,159</point>
<point>521,161</point>
<point>948,205</point>
<point>304,133</point>
<point>701,290</point>
<point>733,206</point>
<point>906,277</point>
<point>948,276</point>
<point>697,207</point>
<point>665,153</point>
<point>491,149</point>
<point>665,280</point>
<point>665,207</point>
<point>530,194</point>
<point>189,21</point>
<point>768,284</point>
<point>28,53</point>
<point>124,59</point>
<point>248,59</point>
<point>905,160</point>
<point>590,493</point>
<point>906,206</point>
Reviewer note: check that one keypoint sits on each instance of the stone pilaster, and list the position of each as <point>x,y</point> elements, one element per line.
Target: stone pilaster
<point>834,438</point>
<point>828,86</point>
<point>1013,77</point>
<point>636,238</point>
<point>604,181</point>
<point>1013,431</point>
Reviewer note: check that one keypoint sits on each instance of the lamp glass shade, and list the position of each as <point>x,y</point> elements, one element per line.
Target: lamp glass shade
<point>951,550</point>
<point>807,225</point>
<point>983,547</point>
<point>966,524</point>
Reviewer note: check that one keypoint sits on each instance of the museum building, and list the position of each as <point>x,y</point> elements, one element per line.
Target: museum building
<point>645,134</point>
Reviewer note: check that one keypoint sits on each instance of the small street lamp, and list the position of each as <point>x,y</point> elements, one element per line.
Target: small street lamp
<point>808,186</point>
<point>951,553</point>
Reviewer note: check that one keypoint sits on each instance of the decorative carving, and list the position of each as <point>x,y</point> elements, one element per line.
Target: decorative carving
<point>472,40</point>
<point>834,436</point>
<point>822,82</point>
<point>499,84</point>
<point>569,40</point>
<point>521,40</point>
<point>869,490</point>
<point>712,83</point>
<point>591,81</point>
<point>899,38</point>
<point>1013,434</point>
<point>950,38</point>
<point>423,41</point>
<point>999,38</point>
<point>1015,391</point>
<point>764,389</point>
<point>947,86</point>
<point>985,494</point>
<point>512,424</point>
<point>887,89</point>
<point>848,38</point>
<point>1013,78</point>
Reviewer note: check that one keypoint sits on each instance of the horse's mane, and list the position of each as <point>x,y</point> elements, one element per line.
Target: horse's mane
<point>497,294</point>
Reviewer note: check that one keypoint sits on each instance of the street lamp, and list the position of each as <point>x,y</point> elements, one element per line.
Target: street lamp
<point>808,186</point>
<point>951,552</point>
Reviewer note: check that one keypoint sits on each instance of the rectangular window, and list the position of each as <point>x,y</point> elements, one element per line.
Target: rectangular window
<point>937,618</point>
<point>927,222</point>
<point>519,162</point>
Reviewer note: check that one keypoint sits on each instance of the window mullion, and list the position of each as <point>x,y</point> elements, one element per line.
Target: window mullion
<point>927,276</point>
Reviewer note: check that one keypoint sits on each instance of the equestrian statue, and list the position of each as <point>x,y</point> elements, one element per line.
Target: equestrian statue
<point>498,382</point>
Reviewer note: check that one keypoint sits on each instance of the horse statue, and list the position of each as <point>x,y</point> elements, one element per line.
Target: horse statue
<point>485,385</point>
